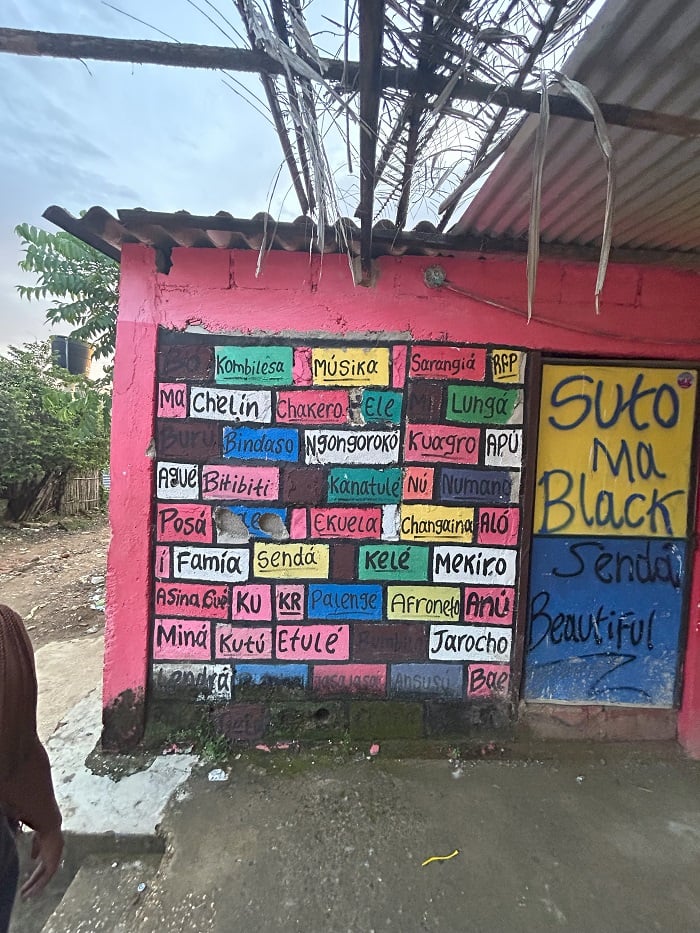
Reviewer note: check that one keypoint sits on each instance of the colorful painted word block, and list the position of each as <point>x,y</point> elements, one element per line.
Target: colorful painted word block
<point>393,562</point>
<point>290,561</point>
<point>436,523</point>
<point>358,484</point>
<point>353,366</point>
<point>261,365</point>
<point>341,519</point>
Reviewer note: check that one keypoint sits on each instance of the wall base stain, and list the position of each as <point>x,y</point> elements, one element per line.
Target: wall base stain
<point>123,721</point>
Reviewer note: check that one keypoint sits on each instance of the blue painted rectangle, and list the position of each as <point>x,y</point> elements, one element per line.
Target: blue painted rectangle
<point>350,602</point>
<point>474,485</point>
<point>604,620</point>
<point>251,518</point>
<point>288,675</point>
<point>272,444</point>
<point>435,680</point>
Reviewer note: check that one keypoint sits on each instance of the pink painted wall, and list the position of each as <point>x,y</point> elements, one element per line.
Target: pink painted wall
<point>646,312</point>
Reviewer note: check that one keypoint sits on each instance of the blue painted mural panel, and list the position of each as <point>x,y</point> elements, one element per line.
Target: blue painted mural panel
<point>291,675</point>
<point>604,619</point>
<point>349,602</point>
<point>276,444</point>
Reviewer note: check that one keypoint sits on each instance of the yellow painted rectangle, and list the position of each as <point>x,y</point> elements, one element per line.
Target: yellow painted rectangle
<point>507,365</point>
<point>436,523</point>
<point>423,603</point>
<point>290,561</point>
<point>614,451</point>
<point>350,366</point>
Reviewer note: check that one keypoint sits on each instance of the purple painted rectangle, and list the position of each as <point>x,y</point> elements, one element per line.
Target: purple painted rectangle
<point>441,443</point>
<point>391,642</point>
<point>435,680</point>
<point>312,406</point>
<point>179,640</point>
<point>192,599</point>
<point>312,642</point>
<point>243,643</point>
<point>188,440</point>
<point>187,361</point>
<point>329,679</point>
<point>249,484</point>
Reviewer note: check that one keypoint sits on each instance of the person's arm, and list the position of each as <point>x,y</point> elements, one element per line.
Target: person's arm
<point>26,788</point>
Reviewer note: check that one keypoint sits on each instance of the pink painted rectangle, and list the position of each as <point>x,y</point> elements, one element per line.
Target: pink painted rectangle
<point>184,523</point>
<point>489,605</point>
<point>441,443</point>
<point>179,640</point>
<point>252,602</point>
<point>488,680</point>
<point>247,484</point>
<point>298,525</point>
<point>301,367</point>
<point>350,679</point>
<point>172,400</point>
<point>498,526</point>
<point>417,483</point>
<point>399,354</point>
<point>443,362</point>
<point>346,523</point>
<point>250,644</point>
<point>192,599</point>
<point>162,563</point>
<point>289,602</point>
<point>312,406</point>
<point>312,642</point>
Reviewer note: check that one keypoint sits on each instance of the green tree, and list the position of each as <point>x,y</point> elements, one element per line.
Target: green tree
<point>50,424</point>
<point>83,281</point>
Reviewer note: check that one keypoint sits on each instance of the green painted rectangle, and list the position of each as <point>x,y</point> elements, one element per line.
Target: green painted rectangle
<point>260,366</point>
<point>393,562</point>
<point>381,405</point>
<point>483,404</point>
<point>362,484</point>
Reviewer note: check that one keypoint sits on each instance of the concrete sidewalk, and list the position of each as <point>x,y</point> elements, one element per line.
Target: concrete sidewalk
<point>590,838</point>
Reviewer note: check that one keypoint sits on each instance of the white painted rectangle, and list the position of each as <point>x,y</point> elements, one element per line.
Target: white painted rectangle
<point>473,564</point>
<point>207,681</point>
<point>231,405</point>
<point>504,447</point>
<point>177,480</point>
<point>227,564</point>
<point>365,447</point>
<point>469,643</point>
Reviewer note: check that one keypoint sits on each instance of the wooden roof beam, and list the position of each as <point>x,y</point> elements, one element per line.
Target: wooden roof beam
<point>371,19</point>
<point>186,55</point>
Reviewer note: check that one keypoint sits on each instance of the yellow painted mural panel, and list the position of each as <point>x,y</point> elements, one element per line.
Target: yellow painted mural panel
<point>291,561</point>
<point>614,451</point>
<point>507,365</point>
<point>354,366</point>
<point>436,523</point>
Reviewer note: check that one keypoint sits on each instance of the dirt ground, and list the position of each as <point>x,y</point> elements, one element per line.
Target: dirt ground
<point>53,574</point>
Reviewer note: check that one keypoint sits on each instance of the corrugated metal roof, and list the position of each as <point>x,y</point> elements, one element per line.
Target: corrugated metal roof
<point>640,53</point>
<point>163,231</point>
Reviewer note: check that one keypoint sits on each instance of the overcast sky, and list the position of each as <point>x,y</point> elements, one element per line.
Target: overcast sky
<point>120,136</point>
